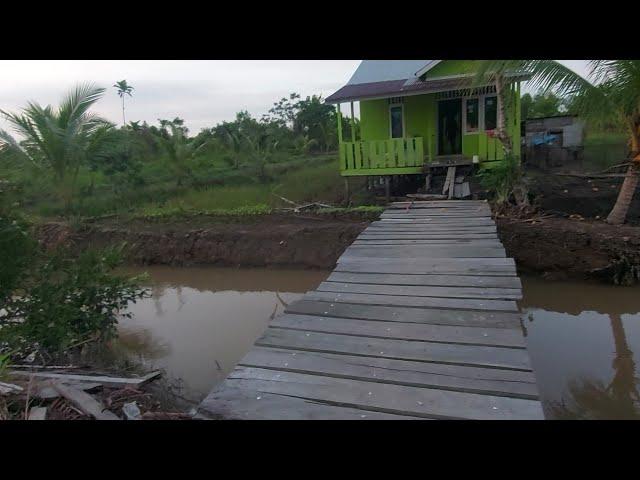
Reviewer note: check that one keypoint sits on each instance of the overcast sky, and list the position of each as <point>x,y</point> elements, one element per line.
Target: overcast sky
<point>203,92</point>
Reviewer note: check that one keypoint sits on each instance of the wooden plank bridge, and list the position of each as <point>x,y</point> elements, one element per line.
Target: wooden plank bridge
<point>418,321</point>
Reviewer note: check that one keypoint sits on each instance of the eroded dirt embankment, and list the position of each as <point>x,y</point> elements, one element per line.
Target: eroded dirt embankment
<point>555,247</point>
<point>565,248</point>
<point>270,240</point>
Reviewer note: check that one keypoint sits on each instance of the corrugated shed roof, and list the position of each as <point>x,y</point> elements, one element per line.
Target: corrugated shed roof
<point>370,71</point>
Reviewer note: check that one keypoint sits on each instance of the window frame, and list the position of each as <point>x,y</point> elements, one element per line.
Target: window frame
<point>484,127</point>
<point>396,105</point>
<point>481,113</point>
<point>480,116</point>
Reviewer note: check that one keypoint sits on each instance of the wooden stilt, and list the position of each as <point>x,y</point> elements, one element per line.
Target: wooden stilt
<point>387,188</point>
<point>347,192</point>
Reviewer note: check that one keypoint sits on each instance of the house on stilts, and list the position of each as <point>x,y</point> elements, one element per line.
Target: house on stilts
<point>419,114</point>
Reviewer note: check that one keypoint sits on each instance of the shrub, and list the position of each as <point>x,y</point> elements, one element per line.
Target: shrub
<point>504,180</point>
<point>56,302</point>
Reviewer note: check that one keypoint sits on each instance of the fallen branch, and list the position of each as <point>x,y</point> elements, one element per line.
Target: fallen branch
<point>285,200</point>
<point>592,175</point>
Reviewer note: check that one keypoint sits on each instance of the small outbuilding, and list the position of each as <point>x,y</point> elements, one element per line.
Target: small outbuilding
<point>553,141</point>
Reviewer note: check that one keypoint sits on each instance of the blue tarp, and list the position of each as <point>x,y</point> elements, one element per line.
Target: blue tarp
<point>542,139</point>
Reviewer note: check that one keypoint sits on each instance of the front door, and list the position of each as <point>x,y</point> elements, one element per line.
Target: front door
<point>450,127</point>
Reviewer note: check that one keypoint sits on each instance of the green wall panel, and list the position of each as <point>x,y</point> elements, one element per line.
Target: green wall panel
<point>374,119</point>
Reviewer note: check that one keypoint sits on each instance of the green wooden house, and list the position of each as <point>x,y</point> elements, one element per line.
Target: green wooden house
<point>420,113</point>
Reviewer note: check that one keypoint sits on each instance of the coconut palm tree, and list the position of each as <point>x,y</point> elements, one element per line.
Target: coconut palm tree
<point>611,94</point>
<point>123,89</point>
<point>181,151</point>
<point>60,139</point>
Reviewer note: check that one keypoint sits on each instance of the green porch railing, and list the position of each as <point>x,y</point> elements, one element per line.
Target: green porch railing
<point>394,156</point>
<point>489,148</point>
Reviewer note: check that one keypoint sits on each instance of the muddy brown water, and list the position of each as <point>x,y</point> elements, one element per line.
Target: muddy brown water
<point>584,339</point>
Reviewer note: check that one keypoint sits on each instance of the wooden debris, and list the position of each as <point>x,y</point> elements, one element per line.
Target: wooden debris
<point>449,181</point>
<point>45,367</point>
<point>166,416</point>
<point>38,413</point>
<point>104,380</point>
<point>47,392</point>
<point>424,196</point>
<point>7,388</point>
<point>461,190</point>
<point>85,402</point>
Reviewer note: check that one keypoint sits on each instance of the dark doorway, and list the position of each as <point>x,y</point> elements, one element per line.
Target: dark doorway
<point>450,127</point>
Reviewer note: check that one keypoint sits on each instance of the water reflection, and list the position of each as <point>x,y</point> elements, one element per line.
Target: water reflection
<point>582,341</point>
<point>199,322</point>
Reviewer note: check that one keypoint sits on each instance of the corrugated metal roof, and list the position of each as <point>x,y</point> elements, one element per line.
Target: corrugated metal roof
<point>403,87</point>
<point>370,71</point>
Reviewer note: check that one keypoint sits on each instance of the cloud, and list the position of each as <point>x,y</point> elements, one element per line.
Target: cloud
<point>202,92</point>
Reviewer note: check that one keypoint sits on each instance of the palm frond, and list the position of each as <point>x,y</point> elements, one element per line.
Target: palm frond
<point>77,102</point>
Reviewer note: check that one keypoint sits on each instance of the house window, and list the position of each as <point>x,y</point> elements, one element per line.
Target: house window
<point>490,113</point>
<point>396,121</point>
<point>472,115</point>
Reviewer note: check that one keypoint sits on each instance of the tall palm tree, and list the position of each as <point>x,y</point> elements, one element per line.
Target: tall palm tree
<point>60,139</point>
<point>123,89</point>
<point>612,94</point>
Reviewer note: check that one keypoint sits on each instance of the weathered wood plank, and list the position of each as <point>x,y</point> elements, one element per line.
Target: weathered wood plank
<point>422,291</point>
<point>435,316</point>
<point>85,402</point>
<point>426,280</point>
<point>423,302</point>
<point>482,267</point>
<point>434,236</point>
<point>438,203</point>
<point>449,221</point>
<point>420,251</point>
<point>488,381</point>
<point>104,380</point>
<point>232,403</point>
<point>490,242</point>
<point>388,398</point>
<point>481,356</point>
<point>402,331</point>
<point>433,228</point>
<point>434,214</point>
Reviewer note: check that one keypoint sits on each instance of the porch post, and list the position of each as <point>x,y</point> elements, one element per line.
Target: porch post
<point>339,116</point>
<point>353,126</point>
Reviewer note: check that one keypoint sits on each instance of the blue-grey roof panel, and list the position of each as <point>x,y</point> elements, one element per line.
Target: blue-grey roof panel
<point>370,71</point>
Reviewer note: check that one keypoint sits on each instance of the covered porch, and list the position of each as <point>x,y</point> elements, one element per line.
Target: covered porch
<point>406,133</point>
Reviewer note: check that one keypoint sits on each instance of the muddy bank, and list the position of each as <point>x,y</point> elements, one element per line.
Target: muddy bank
<point>562,248</point>
<point>588,197</point>
<point>268,240</point>
<point>557,248</point>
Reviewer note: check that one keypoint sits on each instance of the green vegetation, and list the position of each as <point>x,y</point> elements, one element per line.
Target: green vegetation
<point>67,162</point>
<point>53,302</point>
<point>545,104</point>
<point>504,182</point>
